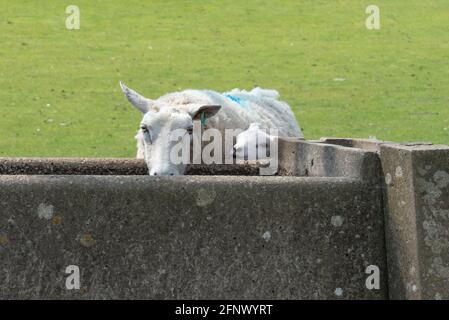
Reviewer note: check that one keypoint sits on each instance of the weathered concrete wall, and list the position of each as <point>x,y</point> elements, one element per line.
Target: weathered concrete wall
<point>417,220</point>
<point>415,179</point>
<point>364,144</point>
<point>312,159</point>
<point>309,233</point>
<point>190,237</point>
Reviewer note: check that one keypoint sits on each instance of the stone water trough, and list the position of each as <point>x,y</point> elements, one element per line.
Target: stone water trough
<point>342,219</point>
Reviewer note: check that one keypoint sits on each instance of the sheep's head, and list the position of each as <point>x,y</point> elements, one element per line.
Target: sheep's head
<point>164,129</point>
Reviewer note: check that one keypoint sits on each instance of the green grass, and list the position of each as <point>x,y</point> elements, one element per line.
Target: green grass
<point>396,87</point>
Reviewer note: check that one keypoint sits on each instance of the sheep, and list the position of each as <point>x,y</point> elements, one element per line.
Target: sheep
<point>178,112</point>
<point>253,144</point>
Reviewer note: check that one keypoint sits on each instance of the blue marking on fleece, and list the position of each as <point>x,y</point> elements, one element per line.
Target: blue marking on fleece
<point>234,98</point>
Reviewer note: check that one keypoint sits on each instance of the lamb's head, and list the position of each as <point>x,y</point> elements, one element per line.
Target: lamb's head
<point>252,144</point>
<point>164,129</point>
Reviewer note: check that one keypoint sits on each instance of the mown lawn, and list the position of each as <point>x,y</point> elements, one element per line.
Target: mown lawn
<point>59,93</point>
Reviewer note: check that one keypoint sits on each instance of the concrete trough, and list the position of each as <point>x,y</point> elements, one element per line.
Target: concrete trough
<point>200,236</point>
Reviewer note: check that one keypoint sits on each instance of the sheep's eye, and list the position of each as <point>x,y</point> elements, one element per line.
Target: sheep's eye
<point>190,130</point>
<point>146,133</point>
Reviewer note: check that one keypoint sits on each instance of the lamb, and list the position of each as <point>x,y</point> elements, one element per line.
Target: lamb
<point>178,112</point>
<point>253,144</point>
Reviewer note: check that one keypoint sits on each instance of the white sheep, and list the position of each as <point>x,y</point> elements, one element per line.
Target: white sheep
<point>253,144</point>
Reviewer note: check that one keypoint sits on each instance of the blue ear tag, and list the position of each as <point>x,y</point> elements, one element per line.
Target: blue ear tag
<point>203,119</point>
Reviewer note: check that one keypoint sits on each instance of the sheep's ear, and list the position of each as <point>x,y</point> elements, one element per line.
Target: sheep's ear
<point>137,100</point>
<point>208,111</point>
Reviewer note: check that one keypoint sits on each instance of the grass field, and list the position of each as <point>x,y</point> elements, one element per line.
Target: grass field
<point>59,93</point>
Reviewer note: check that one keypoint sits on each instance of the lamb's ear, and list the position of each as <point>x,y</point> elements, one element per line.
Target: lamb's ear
<point>254,126</point>
<point>136,99</point>
<point>208,111</point>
